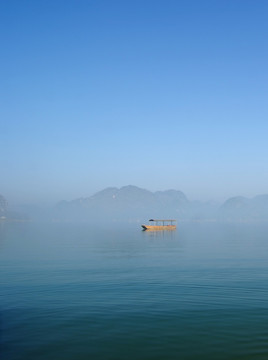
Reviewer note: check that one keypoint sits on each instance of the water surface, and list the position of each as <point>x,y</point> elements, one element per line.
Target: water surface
<point>73,291</point>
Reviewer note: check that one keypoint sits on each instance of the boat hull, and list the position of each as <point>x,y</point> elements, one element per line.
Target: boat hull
<point>158,227</point>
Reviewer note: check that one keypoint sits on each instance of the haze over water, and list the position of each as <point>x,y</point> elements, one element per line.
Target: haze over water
<point>75,291</point>
<point>98,95</point>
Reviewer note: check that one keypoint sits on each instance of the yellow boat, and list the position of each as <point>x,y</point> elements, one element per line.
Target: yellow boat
<point>165,225</point>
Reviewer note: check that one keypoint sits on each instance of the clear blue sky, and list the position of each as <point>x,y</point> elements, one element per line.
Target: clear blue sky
<point>158,94</point>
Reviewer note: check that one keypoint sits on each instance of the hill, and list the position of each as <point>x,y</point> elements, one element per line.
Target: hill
<point>133,204</point>
<point>127,203</point>
<point>3,206</point>
<point>240,208</point>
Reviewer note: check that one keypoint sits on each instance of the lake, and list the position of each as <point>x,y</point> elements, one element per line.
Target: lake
<point>77,291</point>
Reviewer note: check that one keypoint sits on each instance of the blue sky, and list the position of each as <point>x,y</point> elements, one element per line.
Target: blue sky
<point>158,94</point>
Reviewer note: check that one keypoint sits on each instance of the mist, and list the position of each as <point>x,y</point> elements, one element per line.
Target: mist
<point>131,204</point>
<point>113,113</point>
<point>161,96</point>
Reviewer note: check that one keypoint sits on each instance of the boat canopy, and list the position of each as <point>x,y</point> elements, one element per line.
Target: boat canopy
<point>161,220</point>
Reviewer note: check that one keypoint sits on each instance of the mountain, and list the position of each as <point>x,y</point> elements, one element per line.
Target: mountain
<point>240,208</point>
<point>127,203</point>
<point>10,214</point>
<point>3,206</point>
<point>133,204</point>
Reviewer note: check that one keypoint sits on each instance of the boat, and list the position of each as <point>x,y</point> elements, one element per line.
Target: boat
<point>160,225</point>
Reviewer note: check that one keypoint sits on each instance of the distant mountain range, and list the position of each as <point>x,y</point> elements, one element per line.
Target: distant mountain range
<point>135,204</point>
<point>3,206</point>
<point>127,203</point>
<point>6,214</point>
<point>131,203</point>
<point>240,208</point>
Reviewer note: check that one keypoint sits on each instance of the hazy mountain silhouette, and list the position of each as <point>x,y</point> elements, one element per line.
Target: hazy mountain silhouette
<point>131,203</point>
<point>126,203</point>
<point>9,214</point>
<point>240,208</point>
<point>134,204</point>
<point>3,206</point>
